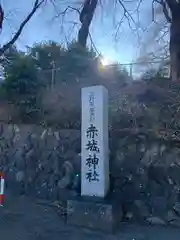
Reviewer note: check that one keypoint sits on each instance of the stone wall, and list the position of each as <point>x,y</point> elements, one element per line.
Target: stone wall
<point>35,161</point>
<point>146,179</point>
<point>145,176</point>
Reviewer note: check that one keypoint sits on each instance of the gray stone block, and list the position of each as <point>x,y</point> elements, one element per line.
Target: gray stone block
<point>93,213</point>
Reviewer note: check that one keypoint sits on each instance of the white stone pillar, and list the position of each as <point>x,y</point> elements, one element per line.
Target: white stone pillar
<point>94,142</point>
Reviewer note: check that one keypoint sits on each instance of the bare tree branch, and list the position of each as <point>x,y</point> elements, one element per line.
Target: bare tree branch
<point>165,9</point>
<point>126,12</point>
<point>36,6</point>
<point>67,9</point>
<point>93,44</point>
<point>134,24</point>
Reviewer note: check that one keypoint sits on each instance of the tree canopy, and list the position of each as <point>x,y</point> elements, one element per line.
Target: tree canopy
<point>121,11</point>
<point>21,85</point>
<point>48,65</point>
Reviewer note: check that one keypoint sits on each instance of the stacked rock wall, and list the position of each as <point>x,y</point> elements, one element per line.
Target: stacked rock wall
<point>145,177</point>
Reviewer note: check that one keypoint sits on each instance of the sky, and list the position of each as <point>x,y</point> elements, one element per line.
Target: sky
<point>123,48</point>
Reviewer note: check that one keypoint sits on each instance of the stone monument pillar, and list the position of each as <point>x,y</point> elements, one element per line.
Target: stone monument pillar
<point>94,142</point>
<point>93,209</point>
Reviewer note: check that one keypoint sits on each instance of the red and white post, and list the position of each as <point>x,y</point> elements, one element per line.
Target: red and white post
<point>2,183</point>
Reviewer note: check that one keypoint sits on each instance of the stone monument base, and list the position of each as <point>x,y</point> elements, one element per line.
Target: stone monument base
<point>93,213</point>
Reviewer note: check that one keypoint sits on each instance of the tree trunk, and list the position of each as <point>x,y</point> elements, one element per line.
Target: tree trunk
<point>175,49</point>
<point>83,34</point>
<point>86,17</point>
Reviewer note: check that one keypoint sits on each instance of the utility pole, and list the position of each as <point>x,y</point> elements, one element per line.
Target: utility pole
<point>131,66</point>
<point>52,63</point>
<point>53,74</point>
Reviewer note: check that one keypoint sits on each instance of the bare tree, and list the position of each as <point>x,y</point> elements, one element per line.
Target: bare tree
<point>171,10</point>
<point>37,4</point>
<point>85,16</point>
<point>154,47</point>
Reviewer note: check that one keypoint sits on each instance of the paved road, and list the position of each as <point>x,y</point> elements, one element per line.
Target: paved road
<point>24,219</point>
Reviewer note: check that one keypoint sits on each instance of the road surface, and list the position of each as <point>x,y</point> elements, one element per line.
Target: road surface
<point>23,218</point>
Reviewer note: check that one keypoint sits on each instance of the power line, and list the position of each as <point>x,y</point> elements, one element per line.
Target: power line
<point>115,64</point>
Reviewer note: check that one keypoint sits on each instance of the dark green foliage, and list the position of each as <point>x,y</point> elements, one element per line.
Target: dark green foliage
<point>50,64</point>
<point>77,60</point>
<point>22,86</point>
<point>46,53</point>
<point>62,64</point>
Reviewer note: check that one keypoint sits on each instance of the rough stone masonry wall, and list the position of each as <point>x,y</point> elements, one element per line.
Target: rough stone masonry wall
<point>33,159</point>
<point>145,177</point>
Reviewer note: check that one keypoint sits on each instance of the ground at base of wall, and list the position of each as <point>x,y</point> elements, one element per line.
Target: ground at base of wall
<point>27,220</point>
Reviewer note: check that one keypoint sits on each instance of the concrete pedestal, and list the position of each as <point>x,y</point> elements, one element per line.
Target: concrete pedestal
<point>93,213</point>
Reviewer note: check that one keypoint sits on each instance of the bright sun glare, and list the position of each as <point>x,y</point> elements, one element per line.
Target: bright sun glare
<point>105,61</point>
